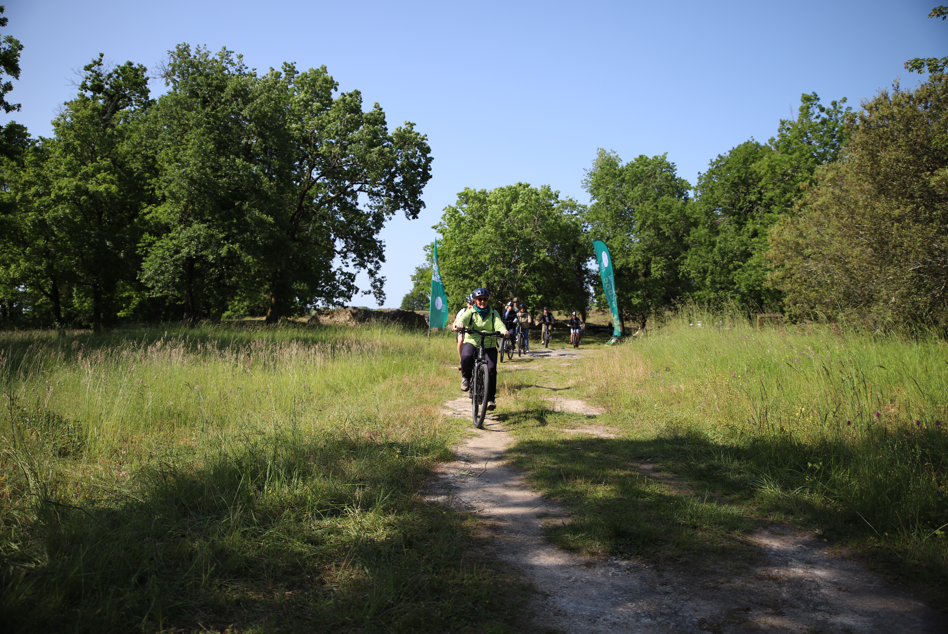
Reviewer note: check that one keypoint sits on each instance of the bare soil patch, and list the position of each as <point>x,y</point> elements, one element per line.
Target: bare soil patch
<point>796,582</point>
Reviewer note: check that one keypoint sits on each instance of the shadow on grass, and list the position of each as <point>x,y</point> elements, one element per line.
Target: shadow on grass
<point>538,416</point>
<point>283,534</point>
<point>708,493</point>
<point>618,509</point>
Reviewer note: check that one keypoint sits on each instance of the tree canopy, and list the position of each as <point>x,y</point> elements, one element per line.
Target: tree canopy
<point>74,203</point>
<point>641,210</point>
<point>869,241</point>
<point>518,241</point>
<point>419,297</point>
<point>235,192</point>
<point>10,48</point>
<point>290,199</point>
<point>931,64</point>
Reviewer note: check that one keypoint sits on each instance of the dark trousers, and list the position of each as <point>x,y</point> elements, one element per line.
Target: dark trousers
<point>468,351</point>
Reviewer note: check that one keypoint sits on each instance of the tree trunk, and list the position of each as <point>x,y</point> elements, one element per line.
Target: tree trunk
<point>56,301</point>
<point>96,308</point>
<point>190,310</point>
<point>275,310</point>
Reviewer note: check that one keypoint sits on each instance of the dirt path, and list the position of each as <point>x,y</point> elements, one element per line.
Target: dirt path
<point>799,586</point>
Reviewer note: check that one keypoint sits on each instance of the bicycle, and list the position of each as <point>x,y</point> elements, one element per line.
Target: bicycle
<point>479,377</point>
<point>521,343</point>
<point>547,334</point>
<point>575,337</point>
<point>504,347</point>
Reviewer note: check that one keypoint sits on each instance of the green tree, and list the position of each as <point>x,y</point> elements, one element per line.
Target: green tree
<point>516,240</point>
<point>213,216</point>
<point>745,192</point>
<point>13,137</point>
<point>870,240</point>
<point>10,48</point>
<point>725,248</point>
<point>273,189</point>
<point>419,297</point>
<point>931,64</point>
<point>77,199</point>
<point>641,210</point>
<point>348,174</point>
<point>816,137</point>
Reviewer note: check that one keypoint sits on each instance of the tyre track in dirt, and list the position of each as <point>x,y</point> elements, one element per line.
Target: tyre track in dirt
<point>798,585</point>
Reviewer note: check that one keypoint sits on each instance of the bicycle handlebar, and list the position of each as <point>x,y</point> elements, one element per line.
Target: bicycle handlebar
<point>482,333</point>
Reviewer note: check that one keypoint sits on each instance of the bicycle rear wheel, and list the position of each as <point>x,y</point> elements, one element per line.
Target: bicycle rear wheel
<point>519,344</point>
<point>479,394</point>
<point>546,338</point>
<point>501,348</point>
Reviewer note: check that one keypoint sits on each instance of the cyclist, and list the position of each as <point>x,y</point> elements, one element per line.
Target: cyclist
<point>525,321</point>
<point>469,301</point>
<point>510,318</point>
<point>509,315</point>
<point>575,329</point>
<point>481,317</point>
<point>546,320</point>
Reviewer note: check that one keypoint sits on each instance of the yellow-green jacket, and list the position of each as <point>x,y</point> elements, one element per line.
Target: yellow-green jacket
<point>492,322</point>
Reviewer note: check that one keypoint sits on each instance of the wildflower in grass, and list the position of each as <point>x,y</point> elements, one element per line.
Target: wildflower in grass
<point>878,414</point>
<point>937,423</point>
<point>917,423</point>
<point>849,422</point>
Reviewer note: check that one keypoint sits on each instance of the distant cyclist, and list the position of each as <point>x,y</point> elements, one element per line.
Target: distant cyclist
<point>469,301</point>
<point>509,315</point>
<point>481,317</point>
<point>546,320</point>
<point>575,329</point>
<point>525,321</point>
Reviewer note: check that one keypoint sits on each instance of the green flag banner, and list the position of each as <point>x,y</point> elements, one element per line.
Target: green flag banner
<point>438,312</point>
<point>608,284</point>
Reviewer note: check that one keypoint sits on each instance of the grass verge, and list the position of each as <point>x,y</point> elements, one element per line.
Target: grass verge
<point>233,479</point>
<point>718,430</point>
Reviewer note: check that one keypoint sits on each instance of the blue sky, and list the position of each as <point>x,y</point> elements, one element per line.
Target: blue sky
<point>511,91</point>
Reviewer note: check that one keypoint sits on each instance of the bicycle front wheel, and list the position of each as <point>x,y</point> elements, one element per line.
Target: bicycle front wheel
<point>546,338</point>
<point>501,348</point>
<point>519,344</point>
<point>479,396</point>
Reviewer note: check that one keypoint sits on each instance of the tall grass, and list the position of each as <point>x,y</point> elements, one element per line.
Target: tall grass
<point>220,477</point>
<point>846,431</point>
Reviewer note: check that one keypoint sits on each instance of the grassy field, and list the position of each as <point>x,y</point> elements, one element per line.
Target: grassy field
<point>841,434</point>
<point>222,477</point>
<point>249,480</point>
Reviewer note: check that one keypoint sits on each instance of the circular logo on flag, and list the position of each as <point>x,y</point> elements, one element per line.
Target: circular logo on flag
<point>438,303</point>
<point>605,260</point>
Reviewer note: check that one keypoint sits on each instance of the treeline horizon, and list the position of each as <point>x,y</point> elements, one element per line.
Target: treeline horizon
<point>234,193</point>
<point>841,216</point>
<point>244,194</point>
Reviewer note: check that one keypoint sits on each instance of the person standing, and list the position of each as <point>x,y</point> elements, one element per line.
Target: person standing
<point>481,317</point>
<point>525,321</point>
<point>546,321</point>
